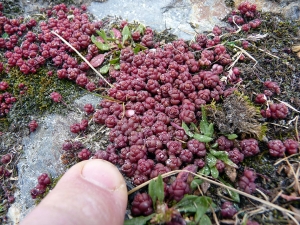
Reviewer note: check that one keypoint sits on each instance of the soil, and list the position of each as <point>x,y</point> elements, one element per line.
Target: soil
<point>270,58</point>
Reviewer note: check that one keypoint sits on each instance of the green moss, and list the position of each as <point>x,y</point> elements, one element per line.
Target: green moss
<point>36,100</point>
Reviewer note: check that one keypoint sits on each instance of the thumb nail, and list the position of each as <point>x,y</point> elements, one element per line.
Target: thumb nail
<point>102,174</point>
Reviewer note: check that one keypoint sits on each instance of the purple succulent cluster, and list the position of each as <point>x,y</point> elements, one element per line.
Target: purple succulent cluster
<point>73,148</point>
<point>43,182</point>
<point>245,148</point>
<point>5,159</point>
<point>79,127</point>
<point>33,125</point>
<point>277,148</point>
<point>271,88</point>
<point>228,210</point>
<point>275,111</point>
<point>29,50</point>
<point>70,146</point>
<point>291,146</point>
<point>5,173</point>
<point>141,205</point>
<point>246,182</point>
<point>6,102</point>
<point>84,154</point>
<point>160,88</point>
<point>6,99</point>
<point>245,16</point>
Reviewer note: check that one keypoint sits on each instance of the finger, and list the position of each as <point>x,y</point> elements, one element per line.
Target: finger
<point>91,192</point>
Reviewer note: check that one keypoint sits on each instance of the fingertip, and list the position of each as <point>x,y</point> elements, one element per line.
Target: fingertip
<point>91,192</point>
<point>103,174</point>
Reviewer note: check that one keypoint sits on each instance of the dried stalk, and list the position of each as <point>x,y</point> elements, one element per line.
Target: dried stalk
<point>81,56</point>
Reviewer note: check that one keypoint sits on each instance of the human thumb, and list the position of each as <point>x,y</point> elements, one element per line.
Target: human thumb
<point>91,192</point>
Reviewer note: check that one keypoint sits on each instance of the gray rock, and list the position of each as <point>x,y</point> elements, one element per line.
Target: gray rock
<point>184,17</point>
<point>41,154</point>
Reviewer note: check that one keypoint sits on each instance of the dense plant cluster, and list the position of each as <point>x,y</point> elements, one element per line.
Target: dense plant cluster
<point>29,44</point>
<point>5,173</point>
<point>155,92</point>
<point>153,108</point>
<point>43,182</point>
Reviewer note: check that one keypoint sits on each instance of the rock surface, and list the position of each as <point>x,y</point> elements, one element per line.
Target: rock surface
<point>184,17</point>
<point>42,150</point>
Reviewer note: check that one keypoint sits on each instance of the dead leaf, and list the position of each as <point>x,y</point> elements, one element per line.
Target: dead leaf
<point>97,60</point>
<point>205,186</point>
<point>231,172</point>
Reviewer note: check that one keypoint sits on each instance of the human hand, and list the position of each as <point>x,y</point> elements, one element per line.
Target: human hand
<point>91,192</point>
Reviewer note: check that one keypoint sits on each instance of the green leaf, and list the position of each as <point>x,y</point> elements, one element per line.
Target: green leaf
<point>156,190</point>
<point>227,161</point>
<point>206,128</point>
<point>218,154</point>
<point>205,220</point>
<point>205,171</point>
<point>138,220</point>
<point>231,136</point>
<point>202,138</point>
<point>141,46</point>
<point>190,203</point>
<point>5,35</point>
<point>204,117</point>
<point>117,66</point>
<point>104,69</point>
<point>195,127</point>
<point>199,213</point>
<point>160,189</point>
<point>202,203</point>
<point>214,172</point>
<point>136,49</point>
<point>101,46</point>
<point>141,28</point>
<point>126,34</point>
<point>102,34</point>
<point>211,160</point>
<point>114,61</point>
<point>234,196</point>
<point>152,192</point>
<point>187,129</point>
<point>112,34</point>
<point>196,182</point>
<point>187,204</point>
<point>215,145</point>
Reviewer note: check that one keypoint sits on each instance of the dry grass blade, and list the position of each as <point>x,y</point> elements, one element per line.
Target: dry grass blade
<point>279,161</point>
<point>214,215</point>
<point>81,56</point>
<point>267,203</point>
